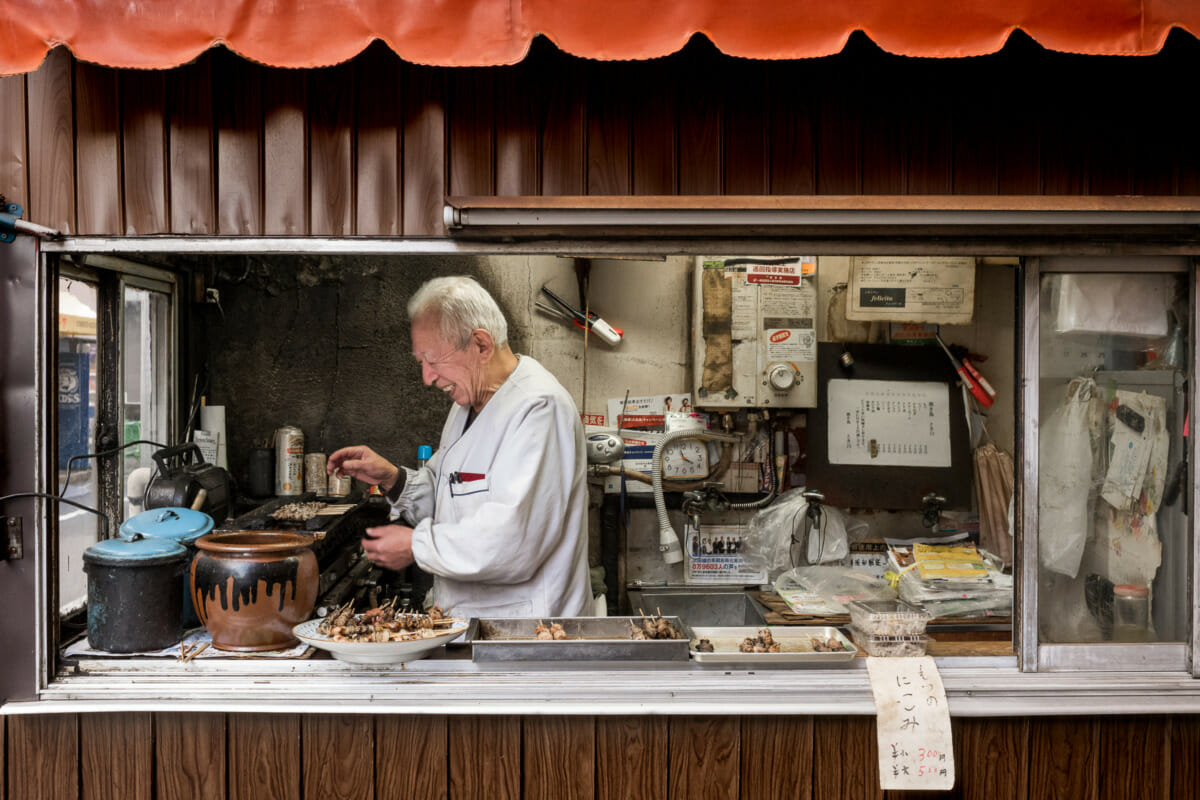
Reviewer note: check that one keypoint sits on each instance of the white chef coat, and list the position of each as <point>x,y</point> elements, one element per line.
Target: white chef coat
<point>499,513</point>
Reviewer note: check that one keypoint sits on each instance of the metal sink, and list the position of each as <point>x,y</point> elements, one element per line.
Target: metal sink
<point>698,608</point>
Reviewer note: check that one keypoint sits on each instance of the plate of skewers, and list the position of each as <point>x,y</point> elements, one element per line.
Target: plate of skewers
<point>380,635</point>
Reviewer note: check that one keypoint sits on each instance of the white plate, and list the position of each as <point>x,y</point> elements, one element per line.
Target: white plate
<point>374,652</point>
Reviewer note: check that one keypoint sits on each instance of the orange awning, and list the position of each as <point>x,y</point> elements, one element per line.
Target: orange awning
<point>312,33</point>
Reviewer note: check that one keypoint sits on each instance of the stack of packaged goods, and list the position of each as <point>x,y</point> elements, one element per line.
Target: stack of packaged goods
<point>950,580</point>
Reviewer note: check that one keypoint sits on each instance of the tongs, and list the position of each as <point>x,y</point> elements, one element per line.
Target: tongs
<point>590,321</point>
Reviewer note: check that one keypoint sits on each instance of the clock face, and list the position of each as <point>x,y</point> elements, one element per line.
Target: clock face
<point>685,458</point>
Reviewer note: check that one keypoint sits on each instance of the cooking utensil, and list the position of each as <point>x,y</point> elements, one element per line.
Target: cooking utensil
<point>795,644</point>
<point>589,639</point>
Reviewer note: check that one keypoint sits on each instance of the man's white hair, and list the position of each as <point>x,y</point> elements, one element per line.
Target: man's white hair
<point>461,306</point>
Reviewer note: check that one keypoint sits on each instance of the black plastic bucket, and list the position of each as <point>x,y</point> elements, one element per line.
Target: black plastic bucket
<point>135,594</point>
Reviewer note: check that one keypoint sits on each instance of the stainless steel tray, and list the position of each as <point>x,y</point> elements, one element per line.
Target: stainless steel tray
<point>795,645</point>
<point>591,639</point>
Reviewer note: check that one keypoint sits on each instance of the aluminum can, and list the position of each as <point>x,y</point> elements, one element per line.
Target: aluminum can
<point>314,473</point>
<point>289,460</point>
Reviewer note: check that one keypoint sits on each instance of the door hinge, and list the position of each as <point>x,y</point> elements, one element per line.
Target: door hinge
<point>14,539</point>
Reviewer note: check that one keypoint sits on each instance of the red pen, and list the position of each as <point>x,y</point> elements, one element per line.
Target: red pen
<point>976,389</point>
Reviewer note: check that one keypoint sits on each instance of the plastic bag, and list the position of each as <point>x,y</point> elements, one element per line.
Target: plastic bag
<point>835,586</point>
<point>1065,478</point>
<point>777,534</point>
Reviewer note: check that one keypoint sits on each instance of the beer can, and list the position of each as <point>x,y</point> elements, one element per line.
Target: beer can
<point>339,485</point>
<point>314,473</point>
<point>289,460</point>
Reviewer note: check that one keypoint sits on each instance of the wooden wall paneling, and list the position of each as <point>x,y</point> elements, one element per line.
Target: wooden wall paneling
<point>777,758</point>
<point>791,93</point>
<point>331,167</point>
<point>518,149</point>
<point>745,132</point>
<point>14,151</point>
<point>144,151</point>
<point>264,756</point>
<point>116,756</point>
<point>51,138</point>
<point>98,202</point>
<point>845,759</point>
<point>974,155</point>
<point>562,119</point>
<point>1062,758</point>
<point>558,758</point>
<point>699,69</point>
<point>337,752</point>
<point>705,757</point>
<point>191,178</point>
<point>484,757</point>
<point>43,755</point>
<point>1066,125</point>
<point>1019,122</point>
<point>285,188</point>
<point>237,99</point>
<point>876,92</point>
<point>1185,755</point>
<point>424,148</point>
<point>609,165</point>
<point>930,129</point>
<point>1135,758</point>
<point>401,742</point>
<point>471,131</point>
<point>991,758</point>
<point>654,129</point>
<point>1113,135</point>
<point>378,106</point>
<point>838,128</point>
<point>189,756</point>
<point>631,758</point>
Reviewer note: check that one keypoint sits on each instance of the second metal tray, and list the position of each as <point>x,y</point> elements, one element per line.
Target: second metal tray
<point>589,639</point>
<point>795,645</point>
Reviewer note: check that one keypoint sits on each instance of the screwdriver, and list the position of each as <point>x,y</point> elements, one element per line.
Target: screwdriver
<point>975,383</point>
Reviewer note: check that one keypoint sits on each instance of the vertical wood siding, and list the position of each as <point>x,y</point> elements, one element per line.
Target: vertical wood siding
<point>226,757</point>
<point>373,146</point>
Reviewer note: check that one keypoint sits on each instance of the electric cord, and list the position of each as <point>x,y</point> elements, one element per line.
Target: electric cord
<point>71,461</point>
<point>108,526</point>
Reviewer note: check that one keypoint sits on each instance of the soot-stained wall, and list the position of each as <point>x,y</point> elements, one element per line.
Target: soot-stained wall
<point>322,343</point>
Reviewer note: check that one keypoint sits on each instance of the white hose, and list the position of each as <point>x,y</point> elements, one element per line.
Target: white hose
<point>668,540</point>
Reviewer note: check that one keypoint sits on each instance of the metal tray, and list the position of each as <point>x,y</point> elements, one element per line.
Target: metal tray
<point>592,639</point>
<point>795,645</point>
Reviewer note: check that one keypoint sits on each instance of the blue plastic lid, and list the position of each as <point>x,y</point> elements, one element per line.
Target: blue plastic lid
<point>180,524</point>
<point>424,452</point>
<point>140,551</point>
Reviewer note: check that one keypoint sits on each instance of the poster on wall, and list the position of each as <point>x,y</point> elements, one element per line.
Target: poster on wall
<point>889,423</point>
<point>912,289</point>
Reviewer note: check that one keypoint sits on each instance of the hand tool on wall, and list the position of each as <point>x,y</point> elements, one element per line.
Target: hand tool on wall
<point>976,384</point>
<point>562,310</point>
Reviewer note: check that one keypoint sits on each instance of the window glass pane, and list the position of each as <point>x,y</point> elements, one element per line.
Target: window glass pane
<point>1113,529</point>
<point>146,349</point>
<point>77,303</point>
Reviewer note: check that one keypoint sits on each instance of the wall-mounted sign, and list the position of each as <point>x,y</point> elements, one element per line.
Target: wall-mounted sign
<point>912,289</point>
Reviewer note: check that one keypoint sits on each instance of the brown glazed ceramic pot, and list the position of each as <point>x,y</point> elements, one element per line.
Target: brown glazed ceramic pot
<point>251,587</point>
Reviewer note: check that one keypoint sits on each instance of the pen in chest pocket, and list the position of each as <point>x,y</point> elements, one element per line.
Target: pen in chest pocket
<point>466,477</point>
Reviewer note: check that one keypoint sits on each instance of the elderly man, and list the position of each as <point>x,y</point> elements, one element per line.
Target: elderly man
<point>499,514</point>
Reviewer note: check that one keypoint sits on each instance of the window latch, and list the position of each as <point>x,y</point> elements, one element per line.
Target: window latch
<point>14,539</point>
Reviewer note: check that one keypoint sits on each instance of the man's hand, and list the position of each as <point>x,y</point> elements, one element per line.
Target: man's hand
<point>365,464</point>
<point>389,546</point>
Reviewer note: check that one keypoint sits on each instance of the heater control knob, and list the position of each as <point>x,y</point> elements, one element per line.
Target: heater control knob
<point>781,377</point>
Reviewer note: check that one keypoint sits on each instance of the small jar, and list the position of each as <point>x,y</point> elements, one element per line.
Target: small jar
<point>1131,613</point>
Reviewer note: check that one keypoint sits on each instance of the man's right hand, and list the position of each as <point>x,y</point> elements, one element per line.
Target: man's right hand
<point>365,464</point>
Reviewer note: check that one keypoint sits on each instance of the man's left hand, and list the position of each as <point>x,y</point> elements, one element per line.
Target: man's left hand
<point>389,546</point>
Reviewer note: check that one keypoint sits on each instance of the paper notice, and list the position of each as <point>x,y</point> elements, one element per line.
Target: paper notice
<point>889,423</point>
<point>912,724</point>
<point>208,443</point>
<point>912,289</point>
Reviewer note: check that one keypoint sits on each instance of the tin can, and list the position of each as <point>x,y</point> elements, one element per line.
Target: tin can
<point>314,473</point>
<point>289,460</point>
<point>339,486</point>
